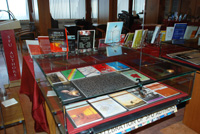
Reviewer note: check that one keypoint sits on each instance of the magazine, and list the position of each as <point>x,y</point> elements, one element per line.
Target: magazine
<point>72,74</point>
<point>118,66</point>
<point>103,68</point>
<point>89,71</point>
<point>56,77</point>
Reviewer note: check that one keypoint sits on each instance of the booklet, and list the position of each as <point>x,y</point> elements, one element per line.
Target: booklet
<point>72,74</point>
<point>127,99</point>
<point>82,114</point>
<point>118,66</point>
<point>134,75</point>
<point>89,71</point>
<point>56,77</point>
<point>107,106</point>
<point>179,31</point>
<point>67,92</point>
<point>146,94</point>
<point>103,68</point>
<point>113,32</point>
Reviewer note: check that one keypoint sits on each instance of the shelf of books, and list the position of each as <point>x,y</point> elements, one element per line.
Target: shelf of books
<point>93,91</point>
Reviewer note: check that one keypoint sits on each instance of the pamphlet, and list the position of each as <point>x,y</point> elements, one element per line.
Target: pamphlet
<point>86,39</point>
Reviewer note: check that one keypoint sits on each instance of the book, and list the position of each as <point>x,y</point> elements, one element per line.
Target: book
<point>129,37</point>
<point>103,68</point>
<point>118,66</point>
<point>106,106</point>
<point>127,99</point>
<point>169,33</point>
<point>89,71</point>
<point>86,39</point>
<point>33,47</point>
<point>72,74</point>
<point>155,33</point>
<point>57,38</point>
<point>71,42</point>
<point>113,32</point>
<point>179,31</point>
<point>173,55</point>
<point>190,32</point>
<point>67,92</point>
<point>137,38</point>
<point>56,77</point>
<point>44,44</point>
<point>133,75</point>
<point>146,94</point>
<point>113,50</point>
<point>149,36</point>
<point>82,114</point>
<point>162,35</point>
<point>122,38</point>
<point>162,89</point>
<point>34,50</point>
<point>190,56</point>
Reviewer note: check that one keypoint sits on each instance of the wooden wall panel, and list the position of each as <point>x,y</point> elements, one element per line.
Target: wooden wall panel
<point>112,10</point>
<point>152,11</point>
<point>192,109</point>
<point>41,16</point>
<point>88,10</point>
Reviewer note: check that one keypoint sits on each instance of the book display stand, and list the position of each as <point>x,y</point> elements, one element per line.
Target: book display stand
<point>93,88</point>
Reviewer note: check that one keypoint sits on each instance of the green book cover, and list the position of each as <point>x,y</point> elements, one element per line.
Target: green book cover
<point>72,74</point>
<point>133,75</point>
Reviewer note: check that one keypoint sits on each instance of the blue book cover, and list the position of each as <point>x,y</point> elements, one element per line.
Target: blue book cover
<point>113,50</point>
<point>113,32</point>
<point>179,31</point>
<point>118,66</point>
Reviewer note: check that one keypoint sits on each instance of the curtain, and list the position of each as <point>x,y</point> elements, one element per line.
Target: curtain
<point>18,7</point>
<point>122,5</point>
<point>67,9</point>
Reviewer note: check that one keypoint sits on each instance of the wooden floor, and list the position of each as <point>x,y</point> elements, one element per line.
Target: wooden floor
<point>168,125</point>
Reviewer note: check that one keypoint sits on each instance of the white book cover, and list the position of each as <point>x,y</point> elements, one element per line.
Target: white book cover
<point>169,33</point>
<point>155,33</point>
<point>113,32</point>
<point>189,31</point>
<point>107,106</point>
<point>197,33</point>
<point>56,77</point>
<point>89,71</point>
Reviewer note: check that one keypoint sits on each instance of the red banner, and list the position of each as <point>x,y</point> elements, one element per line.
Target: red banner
<point>10,50</point>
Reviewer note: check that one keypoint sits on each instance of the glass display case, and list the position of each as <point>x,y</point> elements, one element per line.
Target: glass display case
<point>96,92</point>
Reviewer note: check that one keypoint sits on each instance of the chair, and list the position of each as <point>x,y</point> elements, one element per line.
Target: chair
<point>27,33</point>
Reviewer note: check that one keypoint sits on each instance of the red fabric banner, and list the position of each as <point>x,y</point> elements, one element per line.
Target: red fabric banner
<point>10,50</point>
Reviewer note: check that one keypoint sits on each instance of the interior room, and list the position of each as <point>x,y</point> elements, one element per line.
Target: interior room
<point>99,66</point>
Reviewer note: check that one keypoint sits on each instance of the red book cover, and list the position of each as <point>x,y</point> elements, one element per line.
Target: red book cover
<point>44,44</point>
<point>103,68</point>
<point>122,38</point>
<point>57,38</point>
<point>83,114</point>
<point>35,49</point>
<point>162,89</point>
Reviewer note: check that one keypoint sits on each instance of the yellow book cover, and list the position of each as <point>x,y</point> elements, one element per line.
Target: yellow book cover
<point>137,38</point>
<point>163,34</point>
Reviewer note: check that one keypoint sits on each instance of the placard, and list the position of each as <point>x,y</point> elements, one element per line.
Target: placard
<point>10,50</point>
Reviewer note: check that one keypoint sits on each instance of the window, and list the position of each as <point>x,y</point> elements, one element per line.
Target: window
<point>122,5</point>
<point>67,9</point>
<point>18,7</point>
<point>94,8</point>
<point>138,6</point>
